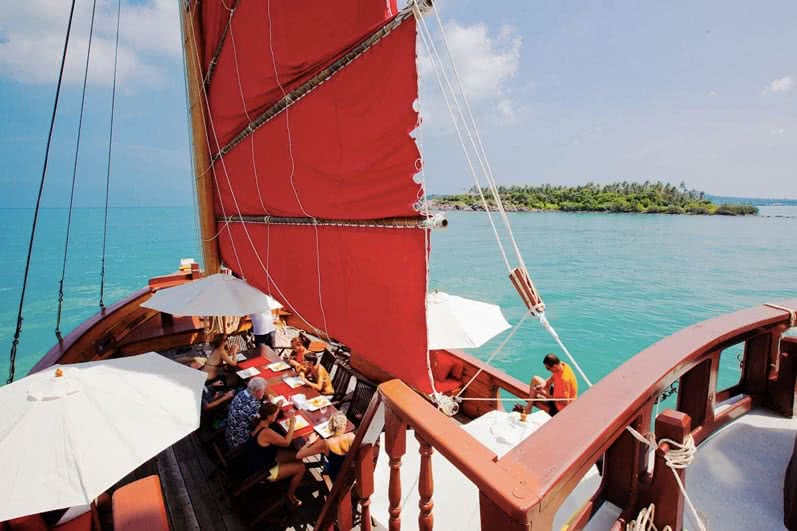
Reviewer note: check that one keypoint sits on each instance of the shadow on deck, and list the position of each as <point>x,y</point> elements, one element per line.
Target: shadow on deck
<point>196,493</point>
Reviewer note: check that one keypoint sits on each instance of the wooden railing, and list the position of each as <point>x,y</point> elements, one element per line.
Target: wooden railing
<point>524,489</point>
<point>126,328</point>
<point>488,384</point>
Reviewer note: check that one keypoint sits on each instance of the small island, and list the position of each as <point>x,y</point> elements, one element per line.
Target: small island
<point>629,197</point>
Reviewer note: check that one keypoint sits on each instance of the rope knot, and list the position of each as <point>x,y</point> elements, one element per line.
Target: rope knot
<point>791,311</point>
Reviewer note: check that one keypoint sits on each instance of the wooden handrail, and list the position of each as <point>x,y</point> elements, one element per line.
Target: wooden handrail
<point>503,485</point>
<point>530,482</point>
<point>584,430</point>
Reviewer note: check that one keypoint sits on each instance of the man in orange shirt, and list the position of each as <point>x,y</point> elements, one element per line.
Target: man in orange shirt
<point>562,386</point>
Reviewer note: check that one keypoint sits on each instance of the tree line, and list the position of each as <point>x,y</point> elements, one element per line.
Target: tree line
<point>648,197</point>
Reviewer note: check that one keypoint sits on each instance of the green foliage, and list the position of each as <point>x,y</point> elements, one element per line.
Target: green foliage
<point>648,197</point>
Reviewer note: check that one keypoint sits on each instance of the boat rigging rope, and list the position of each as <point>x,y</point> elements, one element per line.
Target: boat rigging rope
<point>255,174</point>
<point>472,132</point>
<point>74,176</point>
<point>678,457</point>
<point>110,144</point>
<point>204,101</point>
<point>18,331</point>
<point>293,170</point>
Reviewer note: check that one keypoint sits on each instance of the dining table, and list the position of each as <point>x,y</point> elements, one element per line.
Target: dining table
<point>277,386</point>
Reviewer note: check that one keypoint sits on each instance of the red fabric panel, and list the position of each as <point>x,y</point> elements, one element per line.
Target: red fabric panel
<point>304,39</point>
<point>33,522</point>
<point>350,153</point>
<point>373,283</point>
<point>447,386</point>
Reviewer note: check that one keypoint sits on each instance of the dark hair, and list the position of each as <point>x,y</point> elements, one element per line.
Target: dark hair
<point>311,357</point>
<point>218,340</point>
<point>304,339</point>
<point>550,359</point>
<point>267,409</point>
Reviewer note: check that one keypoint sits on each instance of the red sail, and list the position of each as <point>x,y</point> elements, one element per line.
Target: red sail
<point>365,286</point>
<point>349,154</point>
<point>341,152</point>
<point>275,45</point>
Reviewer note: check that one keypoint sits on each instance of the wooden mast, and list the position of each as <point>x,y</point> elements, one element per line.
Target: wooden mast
<point>199,142</point>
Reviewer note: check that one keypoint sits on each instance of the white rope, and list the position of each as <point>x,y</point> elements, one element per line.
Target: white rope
<point>544,322</point>
<point>252,150</point>
<point>495,352</point>
<point>478,148</point>
<point>644,521</point>
<point>280,293</point>
<point>293,170</point>
<point>678,457</point>
<point>441,403</point>
<point>428,42</point>
<point>480,151</point>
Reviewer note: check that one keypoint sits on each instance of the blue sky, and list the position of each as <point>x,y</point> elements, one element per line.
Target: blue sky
<point>564,92</point>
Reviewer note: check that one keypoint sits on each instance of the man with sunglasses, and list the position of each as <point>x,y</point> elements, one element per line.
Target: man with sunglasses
<point>562,387</point>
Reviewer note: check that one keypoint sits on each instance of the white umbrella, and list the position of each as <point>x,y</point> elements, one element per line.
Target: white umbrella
<point>218,294</point>
<point>457,322</point>
<point>65,440</point>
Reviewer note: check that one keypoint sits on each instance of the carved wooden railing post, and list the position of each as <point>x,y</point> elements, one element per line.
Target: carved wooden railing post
<point>395,446</point>
<point>364,484</point>
<point>665,493</point>
<point>425,485</point>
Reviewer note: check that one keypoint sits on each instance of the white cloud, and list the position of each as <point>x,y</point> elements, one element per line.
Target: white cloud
<point>486,63</point>
<point>32,37</point>
<point>784,84</point>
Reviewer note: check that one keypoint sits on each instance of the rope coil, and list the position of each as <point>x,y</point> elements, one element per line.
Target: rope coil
<point>678,457</point>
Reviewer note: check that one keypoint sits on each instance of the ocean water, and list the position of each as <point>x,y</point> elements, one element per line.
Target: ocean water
<point>613,283</point>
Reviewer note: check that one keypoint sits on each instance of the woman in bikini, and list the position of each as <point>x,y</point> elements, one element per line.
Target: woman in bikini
<point>221,354</point>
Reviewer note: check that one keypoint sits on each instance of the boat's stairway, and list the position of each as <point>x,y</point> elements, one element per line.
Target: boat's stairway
<point>528,487</point>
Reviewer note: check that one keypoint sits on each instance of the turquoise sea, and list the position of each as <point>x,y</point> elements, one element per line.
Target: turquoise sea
<point>613,283</point>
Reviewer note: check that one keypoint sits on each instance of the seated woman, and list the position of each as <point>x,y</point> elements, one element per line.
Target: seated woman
<point>299,346</point>
<point>335,448</point>
<point>315,375</point>
<point>221,354</point>
<point>267,449</point>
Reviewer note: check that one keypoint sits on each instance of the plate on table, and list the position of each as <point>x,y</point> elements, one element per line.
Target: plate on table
<point>293,381</point>
<point>248,373</point>
<point>278,366</point>
<point>301,422</point>
<point>314,404</point>
<point>323,429</point>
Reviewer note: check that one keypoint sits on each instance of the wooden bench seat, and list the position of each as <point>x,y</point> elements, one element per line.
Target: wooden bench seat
<point>138,506</point>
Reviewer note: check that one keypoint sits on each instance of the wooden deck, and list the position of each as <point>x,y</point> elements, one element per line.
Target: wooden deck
<point>195,491</point>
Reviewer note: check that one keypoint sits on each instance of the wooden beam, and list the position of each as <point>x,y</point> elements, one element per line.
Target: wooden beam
<point>199,142</point>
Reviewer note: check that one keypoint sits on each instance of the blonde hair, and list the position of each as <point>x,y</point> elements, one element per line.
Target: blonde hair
<point>338,422</point>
